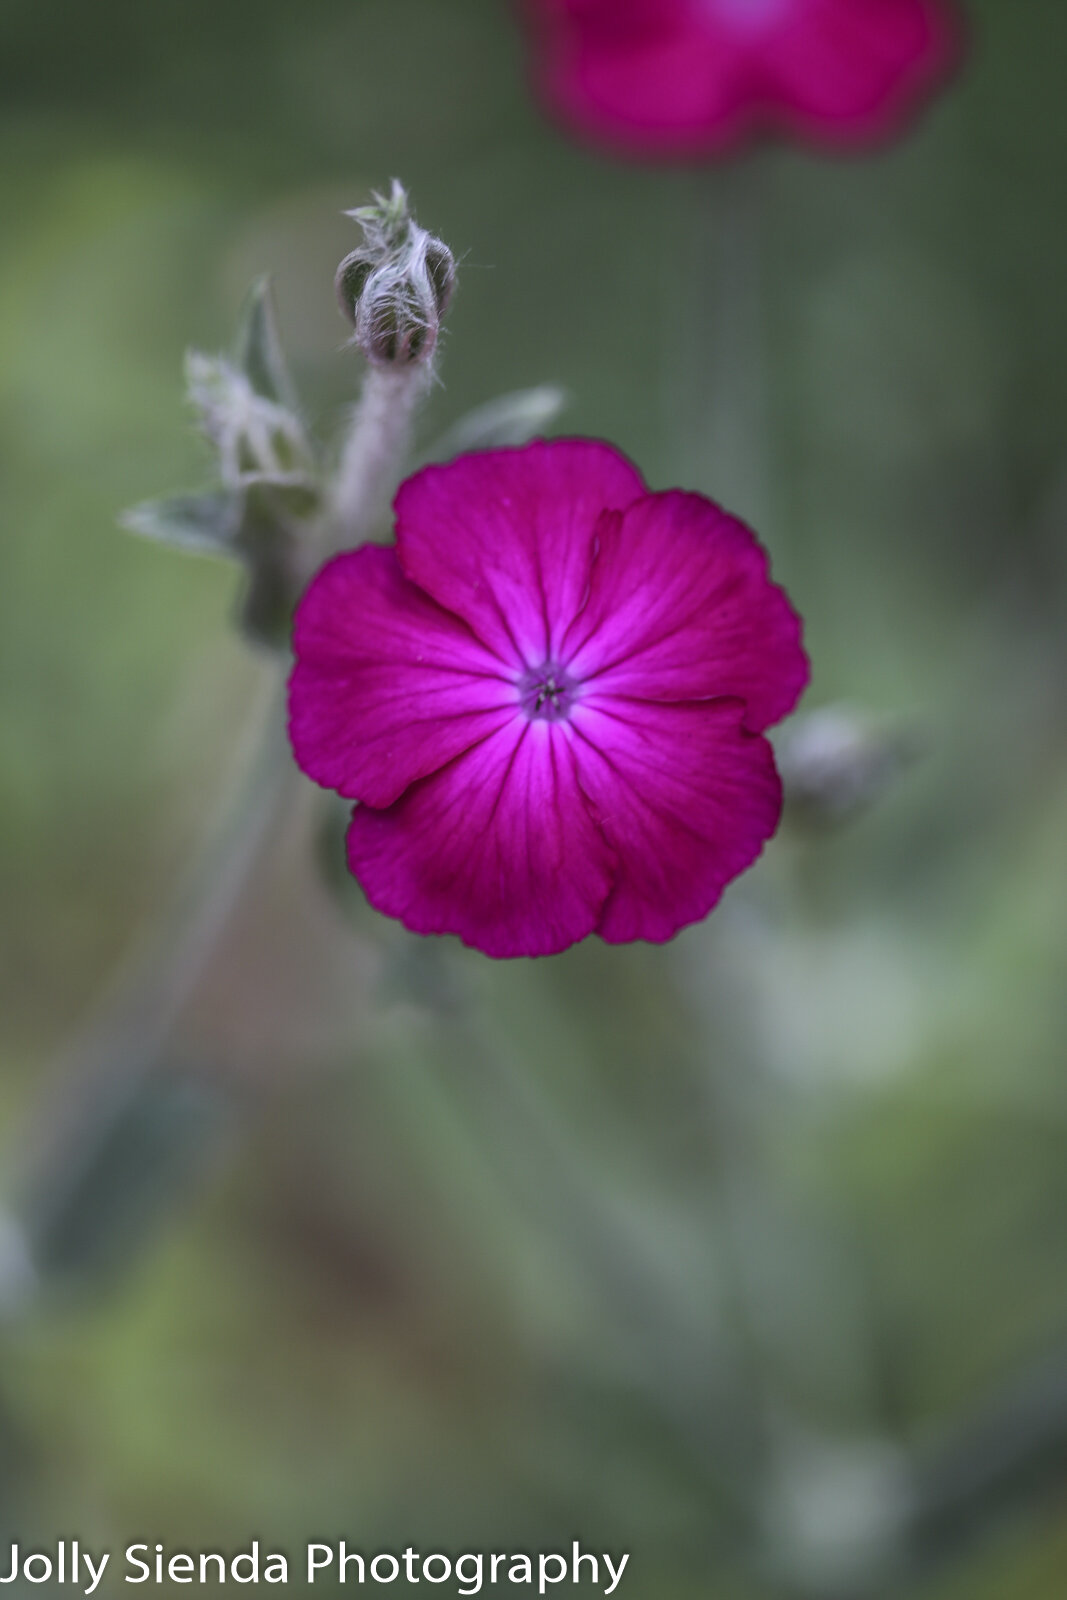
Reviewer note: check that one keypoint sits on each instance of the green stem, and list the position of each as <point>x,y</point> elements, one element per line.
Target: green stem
<point>727,400</point>
<point>682,1359</point>
<point>375,450</point>
<point>103,1084</point>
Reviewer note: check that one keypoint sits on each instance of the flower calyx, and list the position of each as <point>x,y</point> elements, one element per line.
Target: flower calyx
<point>396,286</point>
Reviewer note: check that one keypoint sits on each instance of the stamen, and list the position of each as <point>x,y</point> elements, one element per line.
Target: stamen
<point>547,692</point>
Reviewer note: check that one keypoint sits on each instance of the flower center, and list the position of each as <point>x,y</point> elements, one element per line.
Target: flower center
<point>547,692</point>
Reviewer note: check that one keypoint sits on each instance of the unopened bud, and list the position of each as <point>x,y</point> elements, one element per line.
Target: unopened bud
<point>395,288</point>
<point>835,762</point>
<point>257,439</point>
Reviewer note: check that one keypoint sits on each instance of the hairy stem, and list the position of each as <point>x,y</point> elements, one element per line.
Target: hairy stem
<point>723,425</point>
<point>376,447</point>
<point>534,1155</point>
<point>106,1072</point>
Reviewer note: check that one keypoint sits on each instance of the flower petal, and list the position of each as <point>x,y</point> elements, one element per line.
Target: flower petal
<point>387,686</point>
<point>689,78</point>
<point>503,537</point>
<point>844,71</point>
<point>499,847</point>
<point>681,608</point>
<point>652,77</point>
<point>685,796</point>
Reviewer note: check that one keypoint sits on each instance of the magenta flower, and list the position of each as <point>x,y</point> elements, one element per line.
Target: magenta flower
<point>691,78</point>
<point>548,700</point>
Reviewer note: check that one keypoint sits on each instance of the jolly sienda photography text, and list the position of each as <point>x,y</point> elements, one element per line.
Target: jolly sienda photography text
<point>69,1562</point>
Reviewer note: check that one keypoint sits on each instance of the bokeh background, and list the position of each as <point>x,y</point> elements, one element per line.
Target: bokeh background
<point>747,1255</point>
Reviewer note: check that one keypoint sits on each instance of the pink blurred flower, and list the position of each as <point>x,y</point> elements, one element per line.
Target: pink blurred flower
<point>549,700</point>
<point>691,78</point>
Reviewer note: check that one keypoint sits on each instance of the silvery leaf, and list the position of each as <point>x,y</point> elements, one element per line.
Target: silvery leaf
<point>512,419</point>
<point>207,524</point>
<point>259,348</point>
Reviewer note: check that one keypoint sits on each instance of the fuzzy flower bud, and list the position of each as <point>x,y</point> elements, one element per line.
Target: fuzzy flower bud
<point>395,288</point>
<point>257,439</point>
<point>835,762</point>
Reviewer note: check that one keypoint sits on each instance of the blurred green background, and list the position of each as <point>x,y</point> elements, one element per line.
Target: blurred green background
<point>748,1255</point>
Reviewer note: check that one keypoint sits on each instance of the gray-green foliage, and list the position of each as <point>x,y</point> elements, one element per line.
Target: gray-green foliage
<point>270,494</point>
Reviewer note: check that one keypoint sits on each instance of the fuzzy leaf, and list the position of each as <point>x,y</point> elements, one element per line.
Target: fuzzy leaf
<point>207,524</point>
<point>136,1155</point>
<point>259,348</point>
<point>512,419</point>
